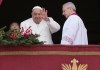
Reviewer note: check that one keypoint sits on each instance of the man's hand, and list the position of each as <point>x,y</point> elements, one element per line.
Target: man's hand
<point>45,15</point>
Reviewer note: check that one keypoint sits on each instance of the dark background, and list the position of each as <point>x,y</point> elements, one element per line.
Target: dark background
<point>88,10</point>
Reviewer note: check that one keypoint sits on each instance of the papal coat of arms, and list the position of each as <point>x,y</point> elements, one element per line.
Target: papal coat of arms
<point>74,66</point>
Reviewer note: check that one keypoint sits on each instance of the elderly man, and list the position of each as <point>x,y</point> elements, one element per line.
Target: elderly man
<point>74,31</point>
<point>41,24</point>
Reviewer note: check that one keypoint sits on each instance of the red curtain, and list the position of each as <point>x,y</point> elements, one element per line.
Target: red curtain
<point>49,57</point>
<point>1,2</point>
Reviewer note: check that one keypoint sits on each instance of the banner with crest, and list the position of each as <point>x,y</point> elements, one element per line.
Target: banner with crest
<point>50,57</point>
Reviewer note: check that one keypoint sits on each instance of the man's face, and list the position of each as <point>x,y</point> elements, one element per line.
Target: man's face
<point>14,26</point>
<point>65,11</point>
<point>37,15</point>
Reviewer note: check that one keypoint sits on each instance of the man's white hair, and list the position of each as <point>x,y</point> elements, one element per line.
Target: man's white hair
<point>37,7</point>
<point>70,5</point>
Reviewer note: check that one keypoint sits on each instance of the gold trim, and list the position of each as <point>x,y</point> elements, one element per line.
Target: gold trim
<point>48,53</point>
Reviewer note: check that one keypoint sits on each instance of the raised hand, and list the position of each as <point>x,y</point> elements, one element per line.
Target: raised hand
<point>44,14</point>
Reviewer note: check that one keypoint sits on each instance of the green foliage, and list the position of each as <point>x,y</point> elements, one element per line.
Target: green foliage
<point>14,37</point>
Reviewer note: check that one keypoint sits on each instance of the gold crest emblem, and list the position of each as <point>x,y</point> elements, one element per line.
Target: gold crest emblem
<point>74,66</point>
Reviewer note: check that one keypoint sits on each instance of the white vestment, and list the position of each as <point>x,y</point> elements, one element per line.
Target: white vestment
<point>74,31</point>
<point>44,29</point>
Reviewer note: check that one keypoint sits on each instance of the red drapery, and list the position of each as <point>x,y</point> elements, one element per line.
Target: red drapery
<point>48,57</point>
<point>1,2</point>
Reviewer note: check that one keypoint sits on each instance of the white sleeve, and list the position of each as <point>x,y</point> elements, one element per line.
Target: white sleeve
<point>70,31</point>
<point>53,25</point>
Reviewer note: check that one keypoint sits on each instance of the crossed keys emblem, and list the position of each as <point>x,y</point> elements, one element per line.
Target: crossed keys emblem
<point>74,66</point>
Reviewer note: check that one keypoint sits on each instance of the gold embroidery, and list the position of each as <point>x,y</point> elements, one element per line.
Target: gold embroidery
<point>49,53</point>
<point>74,66</point>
